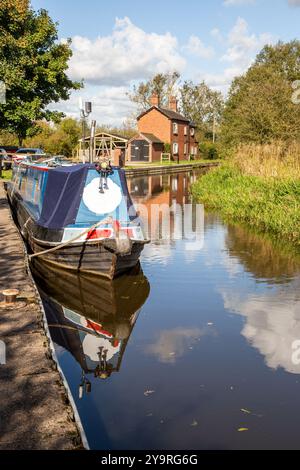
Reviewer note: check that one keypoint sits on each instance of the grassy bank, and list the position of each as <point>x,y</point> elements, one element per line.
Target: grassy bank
<point>246,192</point>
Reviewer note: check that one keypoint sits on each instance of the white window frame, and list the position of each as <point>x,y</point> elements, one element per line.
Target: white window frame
<point>192,132</point>
<point>175,128</point>
<point>185,149</point>
<point>175,148</point>
<point>185,130</point>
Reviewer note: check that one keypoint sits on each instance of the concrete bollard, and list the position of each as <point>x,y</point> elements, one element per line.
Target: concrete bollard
<point>10,296</point>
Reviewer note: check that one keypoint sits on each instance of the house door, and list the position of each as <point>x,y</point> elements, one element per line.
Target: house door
<point>140,150</point>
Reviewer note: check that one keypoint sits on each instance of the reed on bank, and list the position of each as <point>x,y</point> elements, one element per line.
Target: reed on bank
<point>275,160</point>
<point>258,185</point>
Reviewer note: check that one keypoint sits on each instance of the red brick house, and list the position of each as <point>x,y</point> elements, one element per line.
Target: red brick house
<point>159,126</point>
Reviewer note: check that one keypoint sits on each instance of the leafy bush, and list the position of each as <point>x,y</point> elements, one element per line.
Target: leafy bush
<point>167,147</point>
<point>209,151</point>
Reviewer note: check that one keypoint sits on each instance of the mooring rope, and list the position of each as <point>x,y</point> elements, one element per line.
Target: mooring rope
<point>72,240</point>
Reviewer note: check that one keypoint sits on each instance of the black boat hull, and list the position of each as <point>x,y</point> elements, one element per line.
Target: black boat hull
<point>89,257</point>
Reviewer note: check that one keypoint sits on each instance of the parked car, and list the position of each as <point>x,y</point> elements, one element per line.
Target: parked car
<point>33,153</point>
<point>10,149</point>
<point>29,151</point>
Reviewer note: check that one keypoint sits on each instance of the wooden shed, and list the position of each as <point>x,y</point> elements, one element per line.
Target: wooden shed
<point>105,145</point>
<point>145,148</point>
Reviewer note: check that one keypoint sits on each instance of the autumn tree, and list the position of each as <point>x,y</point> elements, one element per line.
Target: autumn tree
<point>162,84</point>
<point>202,105</point>
<point>196,101</point>
<point>60,139</point>
<point>33,66</point>
<point>127,129</point>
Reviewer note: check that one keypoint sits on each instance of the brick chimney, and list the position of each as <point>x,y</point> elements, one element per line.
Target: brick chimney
<point>173,103</point>
<point>154,100</point>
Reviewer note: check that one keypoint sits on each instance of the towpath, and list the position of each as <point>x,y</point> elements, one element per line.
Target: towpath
<point>34,409</point>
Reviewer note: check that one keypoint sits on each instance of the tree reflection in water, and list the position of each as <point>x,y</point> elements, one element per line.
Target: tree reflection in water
<point>273,316</point>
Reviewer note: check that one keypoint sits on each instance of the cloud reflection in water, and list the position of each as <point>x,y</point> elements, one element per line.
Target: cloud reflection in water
<point>272,323</point>
<point>173,344</point>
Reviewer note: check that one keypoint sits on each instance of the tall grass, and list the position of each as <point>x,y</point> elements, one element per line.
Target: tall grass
<point>258,186</point>
<point>276,160</point>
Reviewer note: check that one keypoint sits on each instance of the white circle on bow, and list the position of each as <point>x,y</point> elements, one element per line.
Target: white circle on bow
<point>92,344</point>
<point>102,203</point>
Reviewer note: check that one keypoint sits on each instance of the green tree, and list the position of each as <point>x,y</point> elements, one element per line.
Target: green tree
<point>285,57</point>
<point>162,84</point>
<point>260,107</point>
<point>202,105</point>
<point>7,138</point>
<point>127,129</point>
<point>61,139</point>
<point>33,66</point>
<point>72,129</point>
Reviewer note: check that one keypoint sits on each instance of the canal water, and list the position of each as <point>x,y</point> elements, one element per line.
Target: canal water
<point>197,349</point>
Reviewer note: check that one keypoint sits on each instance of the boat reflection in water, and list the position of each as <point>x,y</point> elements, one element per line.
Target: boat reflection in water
<point>91,317</point>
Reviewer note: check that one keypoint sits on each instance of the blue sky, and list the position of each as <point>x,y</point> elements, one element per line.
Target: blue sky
<point>121,42</point>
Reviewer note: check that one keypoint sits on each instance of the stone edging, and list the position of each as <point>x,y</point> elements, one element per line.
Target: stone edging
<point>158,170</point>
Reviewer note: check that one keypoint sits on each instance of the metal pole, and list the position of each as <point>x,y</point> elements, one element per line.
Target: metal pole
<point>85,112</point>
<point>83,136</point>
<point>92,141</point>
<point>214,128</point>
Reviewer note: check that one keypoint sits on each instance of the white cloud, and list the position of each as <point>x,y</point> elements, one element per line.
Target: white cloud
<point>110,104</point>
<point>110,64</point>
<point>221,81</point>
<point>196,47</point>
<point>242,48</point>
<point>230,3</point>
<point>216,34</point>
<point>129,53</point>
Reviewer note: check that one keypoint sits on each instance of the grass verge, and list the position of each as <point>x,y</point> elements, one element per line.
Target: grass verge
<point>6,175</point>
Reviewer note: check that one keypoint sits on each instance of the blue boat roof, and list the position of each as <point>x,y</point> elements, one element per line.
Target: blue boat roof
<point>62,196</point>
<point>68,196</point>
<point>64,168</point>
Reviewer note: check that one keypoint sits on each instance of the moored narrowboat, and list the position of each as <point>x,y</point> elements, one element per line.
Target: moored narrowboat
<point>78,217</point>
